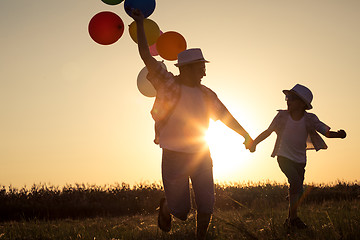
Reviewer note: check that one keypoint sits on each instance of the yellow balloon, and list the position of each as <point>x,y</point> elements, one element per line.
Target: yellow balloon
<point>152,31</point>
<point>144,85</point>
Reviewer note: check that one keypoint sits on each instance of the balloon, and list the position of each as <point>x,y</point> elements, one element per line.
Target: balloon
<point>170,44</point>
<point>152,31</point>
<point>152,48</point>
<point>106,28</point>
<point>112,2</point>
<point>147,7</point>
<point>144,85</point>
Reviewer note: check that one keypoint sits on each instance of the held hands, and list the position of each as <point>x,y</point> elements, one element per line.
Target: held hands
<point>248,142</point>
<point>252,147</point>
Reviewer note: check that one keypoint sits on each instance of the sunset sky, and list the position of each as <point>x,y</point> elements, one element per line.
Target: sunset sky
<point>71,111</point>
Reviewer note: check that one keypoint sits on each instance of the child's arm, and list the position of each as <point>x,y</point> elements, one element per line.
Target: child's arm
<point>260,138</point>
<point>325,130</point>
<point>266,133</point>
<point>339,134</point>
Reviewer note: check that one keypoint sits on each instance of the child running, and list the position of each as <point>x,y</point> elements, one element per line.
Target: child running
<point>296,131</point>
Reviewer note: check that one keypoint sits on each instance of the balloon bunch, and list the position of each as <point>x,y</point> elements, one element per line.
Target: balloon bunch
<point>106,28</point>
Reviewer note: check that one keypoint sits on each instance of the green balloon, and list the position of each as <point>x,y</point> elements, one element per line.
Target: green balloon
<point>112,2</point>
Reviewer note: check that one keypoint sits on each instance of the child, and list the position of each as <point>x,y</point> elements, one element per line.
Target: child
<point>296,131</point>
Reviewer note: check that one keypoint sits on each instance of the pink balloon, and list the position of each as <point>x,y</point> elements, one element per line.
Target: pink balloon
<point>152,48</point>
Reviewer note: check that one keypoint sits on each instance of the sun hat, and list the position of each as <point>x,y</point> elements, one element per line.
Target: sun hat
<point>192,55</point>
<point>303,92</point>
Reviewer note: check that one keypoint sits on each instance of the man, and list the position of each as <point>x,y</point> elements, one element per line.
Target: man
<point>182,110</point>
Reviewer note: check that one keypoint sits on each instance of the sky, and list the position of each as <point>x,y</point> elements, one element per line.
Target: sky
<point>71,111</point>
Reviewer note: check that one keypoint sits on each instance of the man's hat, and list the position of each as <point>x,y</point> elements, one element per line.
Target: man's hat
<point>189,56</point>
<point>302,92</point>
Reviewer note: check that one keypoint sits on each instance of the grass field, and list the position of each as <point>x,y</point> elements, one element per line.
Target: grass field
<point>241,212</point>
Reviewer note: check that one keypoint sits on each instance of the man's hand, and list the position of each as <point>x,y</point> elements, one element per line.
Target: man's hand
<point>137,15</point>
<point>248,141</point>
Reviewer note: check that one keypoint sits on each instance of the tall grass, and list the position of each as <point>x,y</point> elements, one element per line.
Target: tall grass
<point>85,201</point>
<point>78,201</point>
<point>247,211</point>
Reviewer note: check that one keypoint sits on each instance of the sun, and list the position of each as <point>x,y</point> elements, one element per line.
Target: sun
<point>227,151</point>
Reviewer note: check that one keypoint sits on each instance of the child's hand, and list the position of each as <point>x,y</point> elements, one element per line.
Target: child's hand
<point>252,148</point>
<point>342,133</point>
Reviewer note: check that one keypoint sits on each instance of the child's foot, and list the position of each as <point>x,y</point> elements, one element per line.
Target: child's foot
<point>295,223</point>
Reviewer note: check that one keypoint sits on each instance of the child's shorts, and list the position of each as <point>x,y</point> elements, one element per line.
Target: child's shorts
<point>294,172</point>
<point>177,168</point>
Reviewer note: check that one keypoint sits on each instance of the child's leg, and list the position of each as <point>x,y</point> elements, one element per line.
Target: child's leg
<point>293,205</point>
<point>295,174</point>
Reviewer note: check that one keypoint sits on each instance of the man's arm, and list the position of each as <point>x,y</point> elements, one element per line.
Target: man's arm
<point>143,47</point>
<point>232,123</point>
<point>220,112</point>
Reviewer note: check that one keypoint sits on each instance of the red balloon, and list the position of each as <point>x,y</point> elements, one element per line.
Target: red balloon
<point>170,44</point>
<point>106,28</point>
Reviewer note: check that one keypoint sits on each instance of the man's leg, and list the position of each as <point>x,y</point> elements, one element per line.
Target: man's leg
<point>202,224</point>
<point>176,184</point>
<point>203,185</point>
<point>164,217</point>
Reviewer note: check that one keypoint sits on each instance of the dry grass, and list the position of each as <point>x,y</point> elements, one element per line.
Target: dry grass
<point>242,212</point>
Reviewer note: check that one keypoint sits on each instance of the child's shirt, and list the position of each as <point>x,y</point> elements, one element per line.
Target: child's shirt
<point>293,141</point>
<point>312,125</point>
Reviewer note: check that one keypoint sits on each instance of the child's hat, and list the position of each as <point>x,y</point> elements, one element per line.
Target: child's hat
<point>303,92</point>
<point>189,56</point>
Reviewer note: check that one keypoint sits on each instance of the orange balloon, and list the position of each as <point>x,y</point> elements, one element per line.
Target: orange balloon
<point>170,44</point>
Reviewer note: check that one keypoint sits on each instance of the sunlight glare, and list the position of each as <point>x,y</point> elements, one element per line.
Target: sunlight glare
<point>227,151</point>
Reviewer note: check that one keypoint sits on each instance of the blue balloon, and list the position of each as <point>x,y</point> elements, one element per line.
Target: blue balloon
<point>147,7</point>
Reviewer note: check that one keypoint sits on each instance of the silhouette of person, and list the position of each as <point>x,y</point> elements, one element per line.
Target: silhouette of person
<point>296,131</point>
<point>182,110</point>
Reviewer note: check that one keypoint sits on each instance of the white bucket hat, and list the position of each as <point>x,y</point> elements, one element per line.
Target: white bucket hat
<point>303,92</point>
<point>189,56</point>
